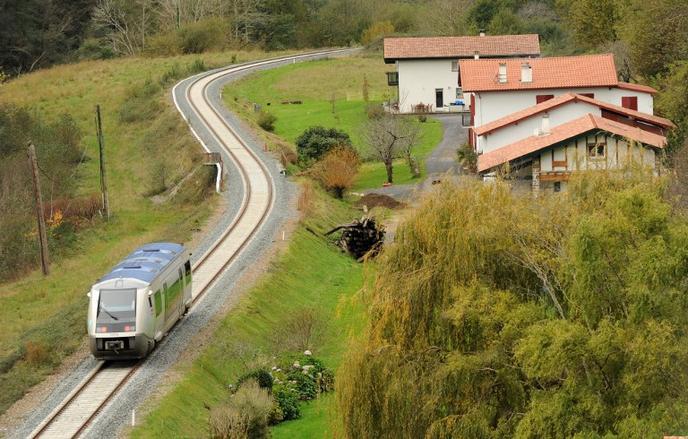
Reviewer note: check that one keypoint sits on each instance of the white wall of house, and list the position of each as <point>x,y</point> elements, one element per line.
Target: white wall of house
<point>527,127</point>
<point>418,80</point>
<point>493,105</point>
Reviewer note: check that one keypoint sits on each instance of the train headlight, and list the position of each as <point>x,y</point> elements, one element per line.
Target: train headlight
<point>101,329</point>
<point>129,328</point>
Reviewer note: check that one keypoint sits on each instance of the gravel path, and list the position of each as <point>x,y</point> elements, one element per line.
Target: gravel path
<point>118,413</point>
<point>439,164</point>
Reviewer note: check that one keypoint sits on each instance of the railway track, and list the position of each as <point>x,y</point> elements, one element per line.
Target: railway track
<point>81,406</point>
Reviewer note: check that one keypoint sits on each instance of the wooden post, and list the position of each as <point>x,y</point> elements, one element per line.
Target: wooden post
<point>42,236</point>
<point>103,181</point>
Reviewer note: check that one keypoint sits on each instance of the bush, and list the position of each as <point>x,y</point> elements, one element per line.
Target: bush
<point>244,415</point>
<point>201,36</point>
<point>95,48</point>
<point>375,111</point>
<point>287,404</point>
<point>337,170</point>
<point>422,118</point>
<point>303,384</point>
<point>377,31</point>
<point>261,376</point>
<point>467,157</point>
<point>267,121</point>
<point>317,140</point>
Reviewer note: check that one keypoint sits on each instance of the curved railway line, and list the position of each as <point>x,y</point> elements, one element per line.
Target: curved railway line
<point>81,406</point>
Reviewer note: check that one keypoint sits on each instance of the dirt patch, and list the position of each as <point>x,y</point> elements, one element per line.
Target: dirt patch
<point>378,200</point>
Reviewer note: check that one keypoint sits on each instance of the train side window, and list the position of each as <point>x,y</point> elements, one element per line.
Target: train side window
<point>158,303</point>
<point>187,270</point>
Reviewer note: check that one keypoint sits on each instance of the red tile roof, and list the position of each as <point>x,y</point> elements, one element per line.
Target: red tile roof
<point>563,99</point>
<point>637,87</point>
<point>564,132</point>
<point>461,47</point>
<point>552,72</point>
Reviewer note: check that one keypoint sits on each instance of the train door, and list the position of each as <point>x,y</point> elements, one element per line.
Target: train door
<point>187,282</point>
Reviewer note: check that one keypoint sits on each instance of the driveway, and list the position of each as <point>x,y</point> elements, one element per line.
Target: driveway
<point>441,162</point>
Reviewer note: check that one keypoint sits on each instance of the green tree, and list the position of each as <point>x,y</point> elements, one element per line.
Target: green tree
<point>555,317</point>
<point>317,140</point>
<point>593,22</point>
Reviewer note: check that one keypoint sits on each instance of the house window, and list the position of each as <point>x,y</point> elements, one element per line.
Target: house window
<point>459,94</point>
<point>455,66</point>
<point>588,95</point>
<point>630,102</point>
<point>557,186</point>
<point>597,150</point>
<point>543,98</point>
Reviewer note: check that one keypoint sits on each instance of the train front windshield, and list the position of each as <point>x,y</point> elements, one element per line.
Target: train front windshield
<point>116,310</point>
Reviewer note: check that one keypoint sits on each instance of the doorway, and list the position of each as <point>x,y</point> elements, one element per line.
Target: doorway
<point>439,98</point>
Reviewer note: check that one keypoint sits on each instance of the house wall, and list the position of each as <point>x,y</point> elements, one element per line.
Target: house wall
<point>493,105</point>
<point>526,127</point>
<point>619,153</point>
<point>418,80</point>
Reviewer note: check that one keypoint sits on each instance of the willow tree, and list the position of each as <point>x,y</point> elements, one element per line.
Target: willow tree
<point>496,315</point>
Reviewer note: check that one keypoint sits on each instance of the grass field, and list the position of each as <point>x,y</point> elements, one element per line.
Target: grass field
<point>44,317</point>
<point>319,84</point>
<point>312,274</point>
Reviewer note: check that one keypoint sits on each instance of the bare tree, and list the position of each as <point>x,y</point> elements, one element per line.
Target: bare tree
<point>112,16</point>
<point>172,14</point>
<point>389,137</point>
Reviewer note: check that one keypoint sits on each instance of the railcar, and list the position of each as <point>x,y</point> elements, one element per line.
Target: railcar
<point>133,306</point>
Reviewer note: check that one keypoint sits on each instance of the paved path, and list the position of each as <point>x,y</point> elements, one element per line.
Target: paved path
<point>439,164</point>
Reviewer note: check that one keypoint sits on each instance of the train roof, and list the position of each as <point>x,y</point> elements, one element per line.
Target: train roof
<point>145,263</point>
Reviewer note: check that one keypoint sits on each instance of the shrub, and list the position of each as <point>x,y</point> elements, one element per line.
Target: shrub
<point>95,48</point>
<point>467,157</point>
<point>244,415</point>
<point>317,140</point>
<point>377,31</point>
<point>337,170</point>
<point>261,376</point>
<point>287,403</point>
<point>422,118</point>
<point>375,111</point>
<point>303,384</point>
<point>201,36</point>
<point>267,121</point>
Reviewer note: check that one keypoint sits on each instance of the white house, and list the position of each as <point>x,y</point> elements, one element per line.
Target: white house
<point>427,67</point>
<point>496,88</point>
<point>557,111</point>
<point>547,159</point>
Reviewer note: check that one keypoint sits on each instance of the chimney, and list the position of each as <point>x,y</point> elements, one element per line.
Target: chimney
<point>476,55</point>
<point>526,72</point>
<point>501,77</point>
<point>544,128</point>
<point>482,32</point>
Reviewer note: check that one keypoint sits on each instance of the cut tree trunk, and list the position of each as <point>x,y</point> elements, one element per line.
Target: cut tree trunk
<point>360,238</point>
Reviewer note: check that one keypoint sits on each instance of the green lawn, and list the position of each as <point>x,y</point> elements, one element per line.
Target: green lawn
<point>46,315</point>
<point>312,274</point>
<point>315,84</point>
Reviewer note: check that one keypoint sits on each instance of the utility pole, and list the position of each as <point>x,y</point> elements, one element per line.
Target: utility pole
<point>42,236</point>
<point>103,181</point>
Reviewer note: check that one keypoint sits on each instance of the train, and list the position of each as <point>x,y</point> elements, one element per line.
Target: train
<point>133,306</point>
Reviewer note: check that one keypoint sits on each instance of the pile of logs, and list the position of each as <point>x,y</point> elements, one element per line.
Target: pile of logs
<point>361,238</point>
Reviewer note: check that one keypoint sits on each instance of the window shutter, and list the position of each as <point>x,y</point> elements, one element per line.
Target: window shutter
<point>630,102</point>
